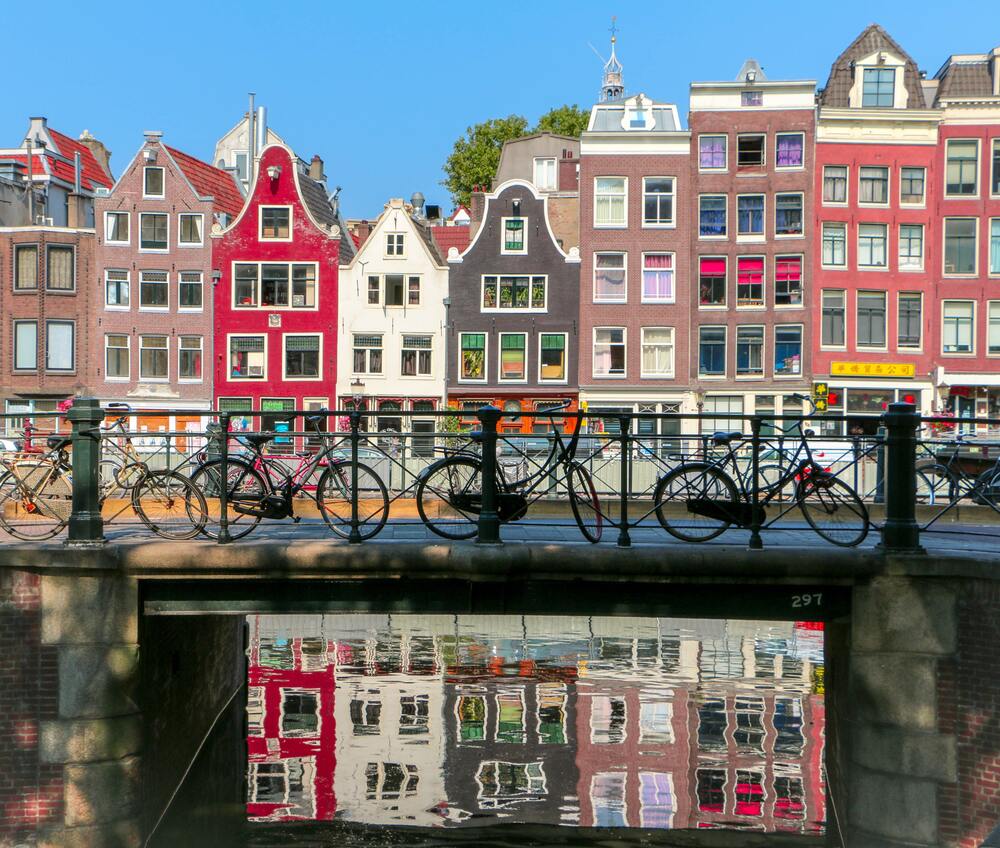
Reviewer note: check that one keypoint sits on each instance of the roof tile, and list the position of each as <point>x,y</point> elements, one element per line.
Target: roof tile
<point>209,181</point>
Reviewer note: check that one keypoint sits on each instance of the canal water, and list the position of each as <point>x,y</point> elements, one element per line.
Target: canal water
<point>425,730</point>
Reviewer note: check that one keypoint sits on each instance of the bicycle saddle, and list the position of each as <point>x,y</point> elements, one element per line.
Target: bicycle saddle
<point>720,437</point>
<point>256,439</point>
<point>58,442</point>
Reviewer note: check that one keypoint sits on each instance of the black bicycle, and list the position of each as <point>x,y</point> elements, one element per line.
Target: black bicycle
<point>698,501</point>
<point>449,493</point>
<point>942,478</point>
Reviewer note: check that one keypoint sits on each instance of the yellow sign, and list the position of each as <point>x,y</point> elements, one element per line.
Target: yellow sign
<point>873,369</point>
<point>820,390</point>
<point>821,404</point>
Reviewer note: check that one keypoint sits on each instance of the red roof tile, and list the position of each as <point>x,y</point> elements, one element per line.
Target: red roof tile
<point>93,174</point>
<point>210,181</point>
<point>448,237</point>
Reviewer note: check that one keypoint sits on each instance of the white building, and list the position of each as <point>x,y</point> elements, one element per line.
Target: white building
<point>233,149</point>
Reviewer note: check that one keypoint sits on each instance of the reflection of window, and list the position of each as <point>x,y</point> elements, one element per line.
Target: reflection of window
<point>513,356</point>
<point>367,354</point>
<point>654,722</point>
<point>471,711</point>
<point>711,790</point>
<point>609,351</point>
<point>246,357</point>
<point>749,793</point>
<point>501,783</point>
<point>749,733</point>
<point>712,722</point>
<point>655,799</point>
<point>788,724</point>
<point>789,798</point>
<point>551,713</point>
<point>473,356</point>
<point>712,281</point>
<point>607,795</point>
<point>255,711</point>
<point>552,356</point>
<point>299,712</point>
<point>365,716</point>
<point>607,720</point>
<point>390,781</point>
<point>413,715</point>
<point>510,717</point>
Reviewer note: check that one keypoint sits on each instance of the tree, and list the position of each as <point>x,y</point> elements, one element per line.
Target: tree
<point>564,120</point>
<point>475,156</point>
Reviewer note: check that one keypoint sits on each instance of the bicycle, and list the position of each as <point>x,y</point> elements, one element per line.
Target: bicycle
<point>947,482</point>
<point>449,492</point>
<point>699,500</point>
<point>259,488</point>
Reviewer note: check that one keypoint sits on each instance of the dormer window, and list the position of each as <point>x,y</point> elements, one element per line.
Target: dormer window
<point>545,174</point>
<point>878,87</point>
<point>152,182</point>
<point>514,238</point>
<point>395,244</point>
<point>752,98</point>
<point>275,223</point>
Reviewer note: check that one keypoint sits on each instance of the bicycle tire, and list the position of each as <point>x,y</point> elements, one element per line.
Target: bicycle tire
<point>936,485</point>
<point>770,474</point>
<point>371,519</point>
<point>10,485</point>
<point>160,491</point>
<point>206,479</point>
<point>583,497</point>
<point>666,487</point>
<point>825,504</point>
<point>432,492</point>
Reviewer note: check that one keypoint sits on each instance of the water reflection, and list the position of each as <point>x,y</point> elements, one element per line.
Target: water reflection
<point>449,721</point>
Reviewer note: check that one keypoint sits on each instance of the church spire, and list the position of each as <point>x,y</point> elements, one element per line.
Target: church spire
<point>612,87</point>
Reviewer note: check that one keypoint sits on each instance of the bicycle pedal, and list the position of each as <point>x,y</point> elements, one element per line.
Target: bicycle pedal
<point>296,518</point>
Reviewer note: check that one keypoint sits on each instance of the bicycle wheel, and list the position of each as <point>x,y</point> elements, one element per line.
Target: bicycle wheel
<point>684,502</point>
<point>34,514</point>
<point>770,474</point>
<point>246,488</point>
<point>449,498</point>
<point>584,502</point>
<point>833,509</point>
<point>170,505</point>
<point>333,494</point>
<point>935,485</point>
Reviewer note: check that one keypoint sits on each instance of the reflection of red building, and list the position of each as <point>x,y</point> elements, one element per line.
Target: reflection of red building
<point>291,737</point>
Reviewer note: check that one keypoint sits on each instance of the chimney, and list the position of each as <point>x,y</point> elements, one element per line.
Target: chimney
<point>261,128</point>
<point>37,128</point>
<point>99,151</point>
<point>363,229</point>
<point>996,71</point>
<point>417,202</point>
<point>316,169</point>
<point>569,172</point>
<point>477,204</point>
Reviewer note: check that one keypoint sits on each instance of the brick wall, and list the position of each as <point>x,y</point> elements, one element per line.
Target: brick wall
<point>30,792</point>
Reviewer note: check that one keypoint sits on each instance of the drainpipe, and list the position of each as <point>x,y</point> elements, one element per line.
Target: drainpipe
<point>31,181</point>
<point>444,348</point>
<point>251,144</point>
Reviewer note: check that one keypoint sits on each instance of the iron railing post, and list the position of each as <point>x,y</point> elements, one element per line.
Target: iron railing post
<point>86,526</point>
<point>756,543</point>
<point>355,420</point>
<point>880,457</point>
<point>489,516</point>
<point>900,532</point>
<point>224,537</point>
<point>625,440</point>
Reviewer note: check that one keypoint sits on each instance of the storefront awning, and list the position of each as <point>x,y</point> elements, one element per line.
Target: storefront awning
<point>970,379</point>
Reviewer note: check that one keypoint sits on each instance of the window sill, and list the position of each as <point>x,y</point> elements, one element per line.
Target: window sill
<point>659,302</point>
<point>784,169</point>
<point>118,380</point>
<point>609,376</point>
<point>787,376</point>
<point>713,307</point>
<point>790,235</point>
<point>153,379</point>
<point>657,377</point>
<point>26,291</point>
<point>108,243</point>
<point>188,246</point>
<point>622,226</point>
<point>723,237</point>
<point>751,238</point>
<point>233,378</point>
<point>190,381</point>
<point>117,308</point>
<point>712,377</point>
<point>875,268</point>
<point>158,309</point>
<point>60,292</point>
<point>833,267</point>
<point>910,270</point>
<point>921,205</point>
<point>834,204</point>
<point>191,310</point>
<point>154,250</point>
<point>962,196</point>
<point>60,373</point>
<point>959,276</point>
<point>749,378</point>
<point>648,226</point>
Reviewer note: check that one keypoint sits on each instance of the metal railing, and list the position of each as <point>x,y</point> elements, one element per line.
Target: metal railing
<point>643,476</point>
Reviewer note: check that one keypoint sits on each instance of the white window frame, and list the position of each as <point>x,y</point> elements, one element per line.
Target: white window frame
<point>944,247</point>
<point>802,280</point>
<point>918,348</point>
<point>624,255</point>
<point>736,352</point>
<point>671,374</point>
<point>163,181</point>
<point>555,173</point>
<point>166,336</point>
<point>802,208</point>
<point>909,269</point>
<point>201,230</point>
<point>512,310</point>
<point>486,356</point>
<point>991,222</point>
<point>21,369</point>
<point>401,245</point>
<point>878,268</point>
<point>909,204</point>
<point>128,288</point>
<point>990,305</point>
<point>857,323</point>
<point>751,307</point>
<point>763,164</point>
<point>128,227</point>
<point>142,249</point>
<point>725,281</point>
<point>527,356</point>
<point>612,226</point>
<point>260,288</point>
<point>368,359</point>
<point>260,222</point>
<point>128,359</point>
<point>751,238</point>
<point>724,236</point>
<point>944,302</point>
<point>977,170</point>
<point>847,325</point>
<point>201,348</point>
<point>180,282</point>
<point>847,187</point>
<point>888,188</point>
<point>48,323</point>
<point>847,245</point>
<point>229,352</point>
<point>801,167</point>
<point>565,377</point>
<point>642,276</point>
<point>403,348</point>
<point>725,352</point>
<point>994,154</point>
<point>725,167</point>
<point>165,308</point>
<point>284,362</point>
<point>503,236</point>
<point>774,351</point>
<point>672,223</point>
<point>593,353</point>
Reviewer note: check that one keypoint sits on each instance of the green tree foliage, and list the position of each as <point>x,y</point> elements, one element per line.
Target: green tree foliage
<point>564,120</point>
<point>475,156</point>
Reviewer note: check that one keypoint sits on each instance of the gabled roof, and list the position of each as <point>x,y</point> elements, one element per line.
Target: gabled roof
<point>838,87</point>
<point>966,77</point>
<point>93,175</point>
<point>209,181</point>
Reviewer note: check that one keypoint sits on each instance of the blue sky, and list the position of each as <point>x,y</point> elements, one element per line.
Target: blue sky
<point>381,89</point>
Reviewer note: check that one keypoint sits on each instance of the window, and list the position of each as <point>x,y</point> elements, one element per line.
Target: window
<point>788,214</point>
<point>416,356</point>
<point>413,291</point>
<point>116,357</point>
<point>712,210</point>
<point>873,186</point>
<point>367,354</point>
<point>189,358</point>
<point>750,215</point>
<point>749,351</point>
<point>609,202</point>
<point>552,356</point>
<point>545,174</point>
<point>514,240</point>
<point>993,328</point>
<point>750,281</point>
<point>712,152</point>
<point>245,288</point>
<point>270,283</point>
<point>995,246</point>
<point>909,323</point>
<point>712,281</point>
<point>153,230</point>
<point>302,357</point>
<point>60,346</point>
<point>878,87</point>
<point>912,182</point>
<point>657,352</point>
<point>959,320</point>
<point>657,201</point>
<point>911,247</point>
<point>395,244</point>
<point>152,182</point>
<point>190,226</point>
<point>472,348</point>
<point>153,290</point>
<point>787,350</point>
<point>789,147</point>
<point>247,357</point>
<point>116,227</point>
<point>513,358</point>
<point>60,274</point>
<point>711,351</point>
<point>526,294</point>
<point>242,168</point>
<point>962,168</point>
<point>394,290</point>
<point>609,351</point>
<point>374,289</point>
<point>835,245</point>
<point>835,184</point>
<point>787,280</point>
<point>995,181</point>
<point>658,278</point>
<point>834,315</point>
<point>610,276</point>
<point>750,151</point>
<point>153,355</point>
<point>751,98</point>
<point>872,245</point>
<point>190,295</point>
<point>871,319</point>
<point>275,222</point>
<point>960,245</point>
<point>116,288</point>
<point>25,345</point>
<point>25,267</point>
